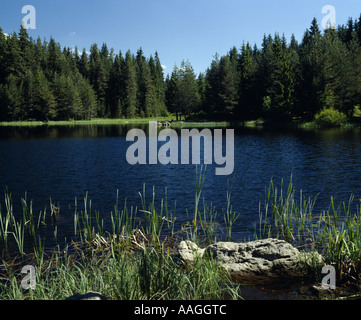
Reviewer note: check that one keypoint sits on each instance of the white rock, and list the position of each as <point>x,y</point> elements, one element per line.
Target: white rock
<point>267,258</point>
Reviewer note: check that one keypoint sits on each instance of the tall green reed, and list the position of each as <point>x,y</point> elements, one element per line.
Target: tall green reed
<point>6,220</point>
<point>335,232</point>
<point>230,217</point>
<point>154,221</point>
<point>283,216</point>
<point>19,233</point>
<point>197,218</point>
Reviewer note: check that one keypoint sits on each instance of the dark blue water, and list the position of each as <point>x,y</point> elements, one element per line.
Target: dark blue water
<point>64,163</point>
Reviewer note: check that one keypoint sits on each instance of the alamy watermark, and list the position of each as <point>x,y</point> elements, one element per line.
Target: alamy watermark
<point>29,21</point>
<point>329,281</point>
<point>29,281</point>
<point>329,20</point>
<point>168,153</point>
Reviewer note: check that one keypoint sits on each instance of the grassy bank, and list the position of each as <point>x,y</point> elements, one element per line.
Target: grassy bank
<point>83,122</point>
<point>135,257</point>
<point>334,232</point>
<point>94,122</point>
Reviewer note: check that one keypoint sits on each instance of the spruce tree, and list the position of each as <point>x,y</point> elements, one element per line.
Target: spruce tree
<point>339,73</point>
<point>172,93</point>
<point>188,89</point>
<point>312,72</point>
<point>114,96</point>
<point>156,70</point>
<point>228,88</point>
<point>145,92</point>
<point>14,62</point>
<point>129,102</point>
<point>98,77</point>
<point>14,99</point>
<point>249,102</point>
<point>201,83</point>
<point>83,65</point>
<point>212,89</point>
<point>54,65</point>
<point>2,57</point>
<point>67,97</point>
<point>89,103</point>
<point>45,104</point>
<point>40,53</point>
<point>26,48</point>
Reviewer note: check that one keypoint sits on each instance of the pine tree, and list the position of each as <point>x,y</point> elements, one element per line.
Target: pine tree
<point>129,103</point>
<point>14,99</point>
<point>88,106</point>
<point>228,88</point>
<point>201,83</point>
<point>40,54</point>
<point>156,70</point>
<point>350,30</point>
<point>212,88</point>
<point>14,62</point>
<point>83,65</point>
<point>53,59</point>
<point>279,80</point>
<point>188,89</point>
<point>295,65</point>
<point>98,77</point>
<point>172,93</point>
<point>2,57</point>
<point>26,48</point>
<point>45,104</point>
<point>314,29</point>
<point>339,73</point>
<point>28,109</point>
<point>4,103</point>
<point>249,103</point>
<point>145,92</point>
<point>67,98</point>
<point>312,66</point>
<point>114,96</point>
<point>358,29</point>
<point>354,51</point>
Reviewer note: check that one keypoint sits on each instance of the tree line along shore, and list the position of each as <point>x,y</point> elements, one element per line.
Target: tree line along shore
<point>316,78</point>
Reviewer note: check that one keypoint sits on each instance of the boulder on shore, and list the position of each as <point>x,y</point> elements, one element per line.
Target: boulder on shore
<point>189,251</point>
<point>269,259</point>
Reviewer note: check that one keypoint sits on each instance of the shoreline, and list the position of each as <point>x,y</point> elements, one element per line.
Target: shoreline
<point>139,254</point>
<point>259,123</point>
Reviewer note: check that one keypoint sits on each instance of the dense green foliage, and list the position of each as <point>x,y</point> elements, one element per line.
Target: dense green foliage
<point>40,80</point>
<point>330,117</point>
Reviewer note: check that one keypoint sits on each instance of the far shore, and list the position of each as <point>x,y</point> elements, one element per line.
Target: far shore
<point>171,119</point>
<point>355,122</point>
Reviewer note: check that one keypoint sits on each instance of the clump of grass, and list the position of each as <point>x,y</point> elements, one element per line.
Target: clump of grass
<point>230,217</point>
<point>283,216</point>
<point>335,233</point>
<point>5,221</point>
<point>147,275</point>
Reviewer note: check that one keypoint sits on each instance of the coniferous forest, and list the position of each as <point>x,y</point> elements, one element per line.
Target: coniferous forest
<point>283,80</point>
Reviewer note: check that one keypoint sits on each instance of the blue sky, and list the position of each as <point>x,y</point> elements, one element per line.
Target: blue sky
<point>193,30</point>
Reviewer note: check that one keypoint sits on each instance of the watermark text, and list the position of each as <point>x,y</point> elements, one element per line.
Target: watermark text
<point>168,153</point>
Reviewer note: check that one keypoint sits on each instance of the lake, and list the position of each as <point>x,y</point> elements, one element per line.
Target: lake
<point>68,162</point>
